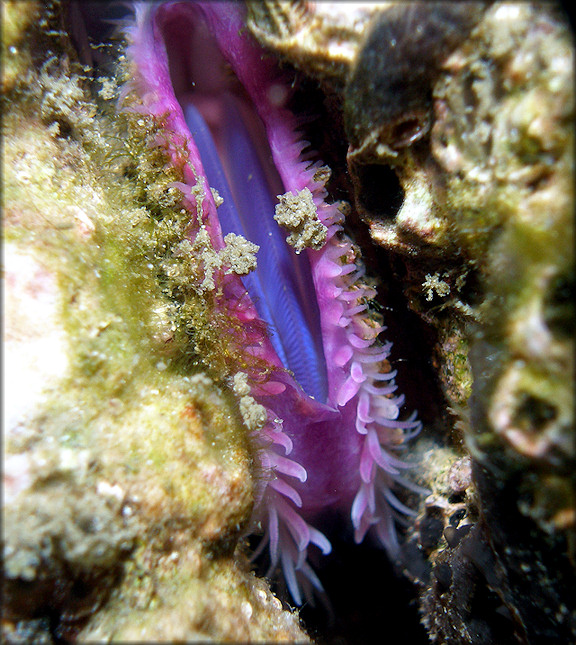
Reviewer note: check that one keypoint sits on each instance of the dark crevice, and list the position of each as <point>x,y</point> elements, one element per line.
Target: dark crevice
<point>534,414</point>
<point>559,307</point>
<point>380,192</point>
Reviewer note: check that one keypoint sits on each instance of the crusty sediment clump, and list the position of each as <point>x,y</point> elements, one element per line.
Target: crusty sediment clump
<point>298,214</point>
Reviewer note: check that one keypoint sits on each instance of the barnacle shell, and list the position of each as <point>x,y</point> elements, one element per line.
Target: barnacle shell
<point>321,37</point>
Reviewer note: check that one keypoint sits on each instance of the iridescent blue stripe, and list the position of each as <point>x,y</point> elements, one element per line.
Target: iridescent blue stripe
<point>281,287</point>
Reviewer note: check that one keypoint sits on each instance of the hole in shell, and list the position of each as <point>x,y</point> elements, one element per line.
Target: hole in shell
<point>559,310</point>
<point>380,193</point>
<point>407,132</point>
<point>534,414</point>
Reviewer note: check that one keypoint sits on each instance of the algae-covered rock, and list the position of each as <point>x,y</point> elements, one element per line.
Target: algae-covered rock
<point>128,470</point>
<point>18,20</point>
<point>487,234</point>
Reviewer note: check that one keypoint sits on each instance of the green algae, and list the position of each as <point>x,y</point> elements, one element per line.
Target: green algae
<point>88,218</point>
<point>159,457</point>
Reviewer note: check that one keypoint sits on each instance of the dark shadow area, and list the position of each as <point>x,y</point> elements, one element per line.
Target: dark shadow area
<point>369,600</point>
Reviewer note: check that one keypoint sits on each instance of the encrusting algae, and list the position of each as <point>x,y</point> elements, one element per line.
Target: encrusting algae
<point>131,454</point>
